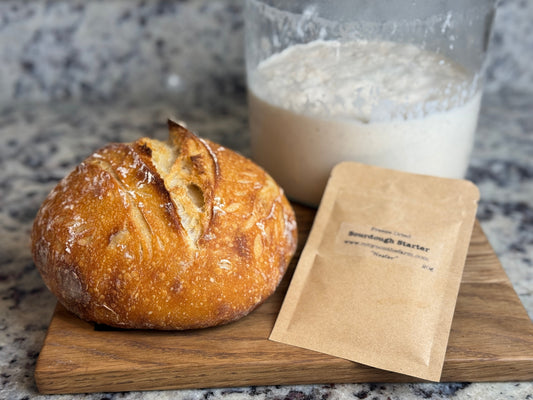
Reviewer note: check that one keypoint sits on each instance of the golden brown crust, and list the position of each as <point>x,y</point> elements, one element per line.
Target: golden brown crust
<point>177,235</point>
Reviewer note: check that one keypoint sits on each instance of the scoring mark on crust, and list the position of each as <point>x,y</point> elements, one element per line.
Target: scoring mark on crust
<point>135,211</point>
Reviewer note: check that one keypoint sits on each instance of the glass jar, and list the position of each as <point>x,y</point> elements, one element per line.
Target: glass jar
<point>391,83</point>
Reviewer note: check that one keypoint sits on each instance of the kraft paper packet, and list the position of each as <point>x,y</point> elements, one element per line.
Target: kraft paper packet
<point>379,276</point>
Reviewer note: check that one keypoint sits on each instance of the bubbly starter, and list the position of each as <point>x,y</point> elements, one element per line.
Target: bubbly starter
<point>380,103</point>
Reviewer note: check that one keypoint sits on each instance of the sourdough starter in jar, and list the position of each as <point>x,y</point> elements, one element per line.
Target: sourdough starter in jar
<point>380,103</point>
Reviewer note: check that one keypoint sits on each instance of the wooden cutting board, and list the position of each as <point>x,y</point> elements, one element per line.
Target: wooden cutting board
<point>491,340</point>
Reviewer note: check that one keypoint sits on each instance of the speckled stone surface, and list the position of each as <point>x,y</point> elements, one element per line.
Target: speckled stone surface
<point>78,74</point>
<point>104,49</point>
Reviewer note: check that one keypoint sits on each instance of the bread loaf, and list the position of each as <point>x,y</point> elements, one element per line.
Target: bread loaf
<point>164,235</point>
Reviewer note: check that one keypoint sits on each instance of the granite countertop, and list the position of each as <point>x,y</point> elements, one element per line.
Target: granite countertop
<point>51,120</point>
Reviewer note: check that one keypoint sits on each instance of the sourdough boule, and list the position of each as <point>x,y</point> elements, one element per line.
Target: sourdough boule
<point>164,235</point>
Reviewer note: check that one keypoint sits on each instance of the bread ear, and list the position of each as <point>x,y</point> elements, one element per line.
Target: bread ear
<point>189,169</point>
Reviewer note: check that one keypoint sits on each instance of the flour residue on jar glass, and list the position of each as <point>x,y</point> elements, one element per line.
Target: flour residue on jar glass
<point>382,103</point>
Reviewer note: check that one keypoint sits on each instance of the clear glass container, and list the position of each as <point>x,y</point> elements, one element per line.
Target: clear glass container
<point>390,83</point>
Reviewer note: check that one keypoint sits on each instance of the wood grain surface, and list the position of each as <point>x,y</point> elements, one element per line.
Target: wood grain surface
<point>491,340</point>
